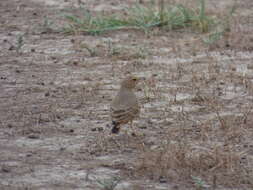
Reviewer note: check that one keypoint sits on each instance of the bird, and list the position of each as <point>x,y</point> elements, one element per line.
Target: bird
<point>125,107</point>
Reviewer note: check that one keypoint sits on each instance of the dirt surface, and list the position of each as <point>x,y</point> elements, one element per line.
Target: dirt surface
<point>195,128</point>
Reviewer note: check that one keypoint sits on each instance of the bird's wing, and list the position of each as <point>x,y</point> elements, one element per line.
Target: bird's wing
<point>124,107</point>
<point>124,114</point>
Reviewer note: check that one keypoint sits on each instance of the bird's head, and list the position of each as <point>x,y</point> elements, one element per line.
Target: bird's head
<point>130,82</point>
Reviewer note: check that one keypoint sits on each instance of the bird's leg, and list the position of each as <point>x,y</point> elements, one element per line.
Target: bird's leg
<point>133,132</point>
<point>125,131</point>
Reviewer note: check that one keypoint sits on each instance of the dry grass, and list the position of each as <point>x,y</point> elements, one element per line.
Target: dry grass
<point>214,162</point>
<point>215,150</point>
<point>196,121</point>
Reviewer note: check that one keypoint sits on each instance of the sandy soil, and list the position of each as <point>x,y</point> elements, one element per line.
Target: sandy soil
<point>196,120</point>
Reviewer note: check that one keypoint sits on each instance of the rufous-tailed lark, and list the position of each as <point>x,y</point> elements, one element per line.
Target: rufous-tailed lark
<point>125,107</point>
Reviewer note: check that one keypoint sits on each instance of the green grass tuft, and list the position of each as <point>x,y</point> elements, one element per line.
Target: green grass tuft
<point>145,18</point>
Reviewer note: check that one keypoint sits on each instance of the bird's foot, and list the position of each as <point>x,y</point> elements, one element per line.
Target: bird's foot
<point>137,134</point>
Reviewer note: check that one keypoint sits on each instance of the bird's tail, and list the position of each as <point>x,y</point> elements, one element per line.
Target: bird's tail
<point>115,127</point>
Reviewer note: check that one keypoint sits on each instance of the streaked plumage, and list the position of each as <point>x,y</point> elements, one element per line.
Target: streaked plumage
<point>125,107</point>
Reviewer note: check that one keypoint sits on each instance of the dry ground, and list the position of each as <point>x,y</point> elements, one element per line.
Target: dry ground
<point>196,126</point>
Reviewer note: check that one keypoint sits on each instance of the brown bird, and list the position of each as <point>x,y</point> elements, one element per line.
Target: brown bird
<point>125,107</point>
